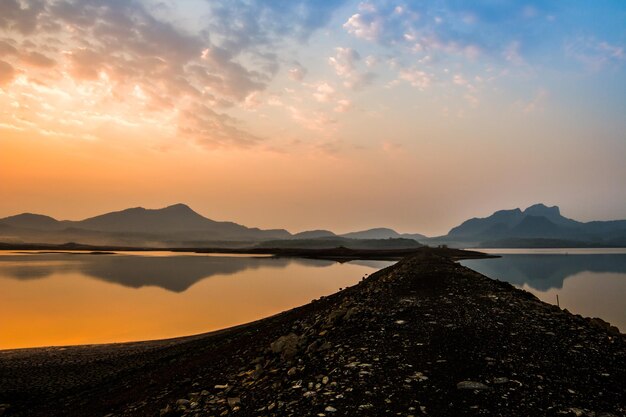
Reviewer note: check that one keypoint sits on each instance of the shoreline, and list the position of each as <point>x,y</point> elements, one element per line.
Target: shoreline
<point>338,254</point>
<point>434,324</point>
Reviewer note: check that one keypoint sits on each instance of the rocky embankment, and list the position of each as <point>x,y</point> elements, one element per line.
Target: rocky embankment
<point>426,337</point>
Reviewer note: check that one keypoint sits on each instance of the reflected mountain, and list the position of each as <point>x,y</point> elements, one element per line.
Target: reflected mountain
<point>172,273</point>
<point>543,272</point>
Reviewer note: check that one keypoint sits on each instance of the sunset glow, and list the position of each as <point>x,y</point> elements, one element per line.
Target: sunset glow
<point>309,114</point>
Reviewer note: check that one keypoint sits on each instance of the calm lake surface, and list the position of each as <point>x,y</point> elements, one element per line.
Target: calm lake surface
<point>590,282</point>
<point>75,298</point>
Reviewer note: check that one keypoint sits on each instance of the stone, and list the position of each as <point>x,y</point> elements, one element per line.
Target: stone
<point>336,315</point>
<point>234,402</point>
<point>473,385</point>
<point>286,346</point>
<point>330,409</point>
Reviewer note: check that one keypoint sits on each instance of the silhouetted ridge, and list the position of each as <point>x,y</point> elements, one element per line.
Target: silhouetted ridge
<point>537,225</point>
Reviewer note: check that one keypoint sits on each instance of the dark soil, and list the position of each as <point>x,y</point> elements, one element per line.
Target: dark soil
<point>423,337</point>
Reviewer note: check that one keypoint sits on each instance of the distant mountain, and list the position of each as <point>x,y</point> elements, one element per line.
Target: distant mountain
<point>314,234</point>
<point>335,242</point>
<point>32,221</point>
<point>178,218</point>
<point>134,226</point>
<point>173,226</point>
<point>537,226</point>
<point>382,233</point>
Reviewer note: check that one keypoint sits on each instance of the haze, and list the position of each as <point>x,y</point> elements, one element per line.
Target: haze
<point>302,115</point>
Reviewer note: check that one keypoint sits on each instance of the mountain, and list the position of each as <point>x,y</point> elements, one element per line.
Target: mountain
<point>537,225</point>
<point>178,219</point>
<point>337,241</point>
<point>32,221</point>
<point>134,226</point>
<point>314,234</point>
<point>173,226</point>
<point>382,233</point>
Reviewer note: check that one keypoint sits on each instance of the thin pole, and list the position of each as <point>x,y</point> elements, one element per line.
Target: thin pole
<point>557,301</point>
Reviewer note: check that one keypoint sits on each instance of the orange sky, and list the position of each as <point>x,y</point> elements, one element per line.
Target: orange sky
<point>349,116</point>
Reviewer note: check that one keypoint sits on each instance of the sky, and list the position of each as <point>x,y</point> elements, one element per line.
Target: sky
<point>311,114</point>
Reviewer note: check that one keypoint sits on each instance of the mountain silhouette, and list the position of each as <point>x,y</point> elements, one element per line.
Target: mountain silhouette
<point>536,226</point>
<point>382,233</point>
<point>133,225</point>
<point>314,234</point>
<point>174,226</point>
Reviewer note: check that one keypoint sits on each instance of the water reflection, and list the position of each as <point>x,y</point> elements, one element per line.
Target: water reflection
<point>173,273</point>
<point>543,272</point>
<point>590,285</point>
<point>64,299</point>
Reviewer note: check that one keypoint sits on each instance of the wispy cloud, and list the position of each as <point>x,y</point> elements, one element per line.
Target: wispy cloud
<point>139,53</point>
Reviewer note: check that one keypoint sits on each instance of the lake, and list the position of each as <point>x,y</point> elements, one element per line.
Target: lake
<point>76,298</point>
<point>590,282</point>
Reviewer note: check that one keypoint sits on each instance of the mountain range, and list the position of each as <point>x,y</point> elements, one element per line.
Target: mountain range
<point>176,225</point>
<point>536,226</point>
<point>179,226</point>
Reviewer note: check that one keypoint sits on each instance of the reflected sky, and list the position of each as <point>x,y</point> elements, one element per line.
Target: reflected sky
<point>63,299</point>
<point>174,273</point>
<point>593,285</point>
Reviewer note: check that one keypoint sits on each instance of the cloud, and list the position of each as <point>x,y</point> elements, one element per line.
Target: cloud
<point>536,104</point>
<point>316,120</point>
<point>512,53</point>
<point>417,78</point>
<point>37,60</point>
<point>21,16</point>
<point>7,73</point>
<point>7,49</point>
<point>345,65</point>
<point>118,49</point>
<point>368,27</point>
<point>324,92</point>
<point>209,128</point>
<point>595,54</point>
<point>297,72</point>
<point>343,106</point>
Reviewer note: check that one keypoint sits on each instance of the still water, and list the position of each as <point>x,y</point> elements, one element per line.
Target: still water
<point>71,298</point>
<point>590,282</point>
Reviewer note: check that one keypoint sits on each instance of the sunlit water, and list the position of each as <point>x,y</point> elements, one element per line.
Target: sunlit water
<point>590,282</point>
<point>68,298</point>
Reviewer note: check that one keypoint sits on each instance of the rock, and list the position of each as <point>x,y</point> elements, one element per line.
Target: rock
<point>234,402</point>
<point>501,380</point>
<point>471,385</point>
<point>182,402</point>
<point>221,386</point>
<point>312,348</point>
<point>352,311</point>
<point>330,409</point>
<point>286,346</point>
<point>292,371</point>
<point>325,346</point>
<point>164,412</point>
<point>336,315</point>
